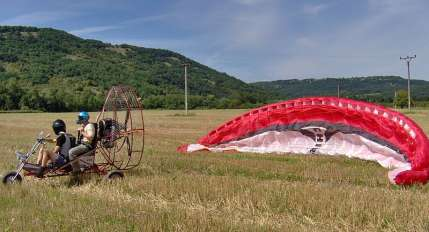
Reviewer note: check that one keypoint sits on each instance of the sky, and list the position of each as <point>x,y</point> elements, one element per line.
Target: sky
<point>253,40</point>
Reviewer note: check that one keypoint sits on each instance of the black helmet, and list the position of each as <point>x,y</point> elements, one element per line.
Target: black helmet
<point>59,126</point>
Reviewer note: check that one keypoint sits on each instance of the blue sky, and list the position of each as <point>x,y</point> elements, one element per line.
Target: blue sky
<point>252,40</point>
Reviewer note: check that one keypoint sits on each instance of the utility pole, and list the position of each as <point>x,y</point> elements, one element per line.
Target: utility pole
<point>338,90</point>
<point>408,59</point>
<point>339,87</point>
<point>186,65</point>
<point>394,100</point>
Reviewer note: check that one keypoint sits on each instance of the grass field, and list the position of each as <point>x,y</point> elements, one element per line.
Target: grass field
<point>206,191</point>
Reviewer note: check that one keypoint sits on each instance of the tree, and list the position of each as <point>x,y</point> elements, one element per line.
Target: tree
<point>401,99</point>
<point>32,100</point>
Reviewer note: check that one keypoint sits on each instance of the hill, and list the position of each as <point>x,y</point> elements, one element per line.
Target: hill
<point>375,88</point>
<point>51,70</point>
<point>48,69</point>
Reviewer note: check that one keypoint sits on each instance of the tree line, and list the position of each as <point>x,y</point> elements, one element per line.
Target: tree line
<point>66,96</point>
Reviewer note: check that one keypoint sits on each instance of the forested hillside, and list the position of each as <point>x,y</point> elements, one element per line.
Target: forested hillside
<point>51,70</point>
<point>375,89</point>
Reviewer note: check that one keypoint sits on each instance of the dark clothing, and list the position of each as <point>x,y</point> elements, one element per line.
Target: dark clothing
<point>64,141</point>
<point>61,139</point>
<point>60,161</point>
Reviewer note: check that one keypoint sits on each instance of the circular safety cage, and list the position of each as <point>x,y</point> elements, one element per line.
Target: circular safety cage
<point>121,130</point>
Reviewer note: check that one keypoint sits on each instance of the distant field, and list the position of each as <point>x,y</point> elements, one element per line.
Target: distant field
<point>206,191</point>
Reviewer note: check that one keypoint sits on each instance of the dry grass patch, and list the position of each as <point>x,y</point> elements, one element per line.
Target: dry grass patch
<point>206,191</point>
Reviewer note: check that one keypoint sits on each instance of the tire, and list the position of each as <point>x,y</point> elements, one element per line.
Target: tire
<point>114,175</point>
<point>7,178</point>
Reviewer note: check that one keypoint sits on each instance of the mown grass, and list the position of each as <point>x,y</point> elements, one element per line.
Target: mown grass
<point>207,191</point>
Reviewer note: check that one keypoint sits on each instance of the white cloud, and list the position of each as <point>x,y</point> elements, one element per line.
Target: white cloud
<point>314,9</point>
<point>146,19</point>
<point>249,2</point>
<point>272,41</point>
<point>393,6</point>
<point>90,30</point>
<point>37,18</point>
<point>252,30</point>
<point>361,46</point>
<point>139,20</point>
<point>306,42</point>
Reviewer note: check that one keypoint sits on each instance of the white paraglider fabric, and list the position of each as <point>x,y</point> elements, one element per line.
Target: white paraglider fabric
<point>339,144</point>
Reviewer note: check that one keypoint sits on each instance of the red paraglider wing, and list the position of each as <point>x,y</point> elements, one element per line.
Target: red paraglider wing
<point>377,123</point>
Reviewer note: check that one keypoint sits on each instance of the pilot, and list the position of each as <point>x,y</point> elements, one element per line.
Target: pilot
<point>87,132</point>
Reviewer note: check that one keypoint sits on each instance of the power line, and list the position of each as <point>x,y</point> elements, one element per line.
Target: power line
<point>408,59</point>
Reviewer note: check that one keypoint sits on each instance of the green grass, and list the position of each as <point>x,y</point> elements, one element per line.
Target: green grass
<point>207,191</point>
